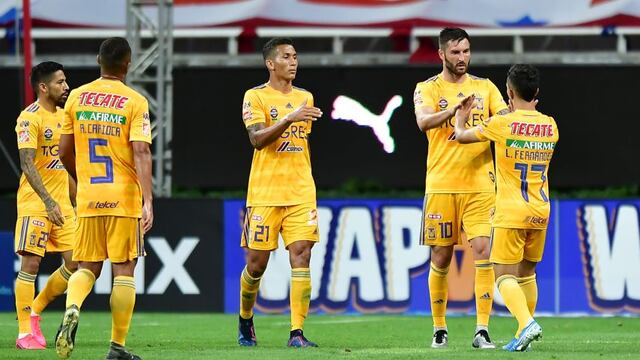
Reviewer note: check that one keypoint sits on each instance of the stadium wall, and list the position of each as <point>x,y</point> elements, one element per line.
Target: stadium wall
<point>211,149</point>
<point>367,261</point>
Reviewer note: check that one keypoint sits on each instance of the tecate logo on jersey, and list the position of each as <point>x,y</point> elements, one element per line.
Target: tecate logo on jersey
<point>103,204</point>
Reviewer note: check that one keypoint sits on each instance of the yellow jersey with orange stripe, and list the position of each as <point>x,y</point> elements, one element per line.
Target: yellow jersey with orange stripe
<point>453,167</point>
<point>39,129</point>
<point>105,116</point>
<point>525,141</point>
<point>281,171</point>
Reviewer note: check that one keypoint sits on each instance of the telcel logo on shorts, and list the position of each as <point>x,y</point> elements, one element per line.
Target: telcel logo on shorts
<point>103,204</point>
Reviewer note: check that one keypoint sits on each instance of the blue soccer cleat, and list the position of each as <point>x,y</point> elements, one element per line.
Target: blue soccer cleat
<point>246,332</point>
<point>297,340</point>
<point>531,332</point>
<point>509,346</point>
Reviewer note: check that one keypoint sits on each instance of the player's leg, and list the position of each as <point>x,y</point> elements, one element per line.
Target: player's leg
<point>90,251</point>
<point>477,209</point>
<point>125,244</point>
<point>506,253</point>
<point>441,231</point>
<point>61,240</point>
<point>30,243</point>
<point>300,233</point>
<point>533,249</point>
<point>259,237</point>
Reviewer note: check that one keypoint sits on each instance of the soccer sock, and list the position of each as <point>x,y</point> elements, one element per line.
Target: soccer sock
<point>123,299</point>
<point>515,300</point>
<point>529,287</point>
<point>25,289</point>
<point>299,296</point>
<point>438,292</point>
<point>248,290</point>
<point>56,285</point>
<point>79,286</point>
<point>484,283</point>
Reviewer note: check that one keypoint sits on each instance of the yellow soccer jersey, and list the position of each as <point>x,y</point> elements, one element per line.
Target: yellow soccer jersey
<point>105,116</point>
<point>453,167</point>
<point>281,171</point>
<point>40,130</point>
<point>525,141</point>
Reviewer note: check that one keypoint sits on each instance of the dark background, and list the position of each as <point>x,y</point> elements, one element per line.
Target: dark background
<point>211,149</point>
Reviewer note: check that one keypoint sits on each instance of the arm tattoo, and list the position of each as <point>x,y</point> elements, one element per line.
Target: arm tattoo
<point>503,112</point>
<point>27,157</point>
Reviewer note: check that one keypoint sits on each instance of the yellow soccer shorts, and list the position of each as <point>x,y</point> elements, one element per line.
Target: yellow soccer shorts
<point>116,238</point>
<point>37,235</point>
<point>510,246</point>
<point>445,215</point>
<point>263,224</point>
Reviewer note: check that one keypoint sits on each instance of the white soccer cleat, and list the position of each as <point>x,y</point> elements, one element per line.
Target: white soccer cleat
<point>440,339</point>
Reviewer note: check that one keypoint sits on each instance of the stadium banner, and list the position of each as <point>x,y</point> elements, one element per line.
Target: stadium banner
<point>483,13</point>
<point>368,261</point>
<point>182,270</point>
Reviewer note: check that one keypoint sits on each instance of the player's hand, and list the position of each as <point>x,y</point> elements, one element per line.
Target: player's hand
<point>147,216</point>
<point>465,106</point>
<point>304,113</point>
<point>54,213</point>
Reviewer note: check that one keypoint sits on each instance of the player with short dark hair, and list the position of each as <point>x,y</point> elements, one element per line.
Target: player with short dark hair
<point>46,198</point>
<point>105,146</point>
<point>525,140</point>
<point>281,198</point>
<point>460,189</point>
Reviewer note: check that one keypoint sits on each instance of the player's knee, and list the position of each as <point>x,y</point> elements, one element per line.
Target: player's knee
<point>441,256</point>
<point>300,254</point>
<point>256,268</point>
<point>30,264</point>
<point>71,265</point>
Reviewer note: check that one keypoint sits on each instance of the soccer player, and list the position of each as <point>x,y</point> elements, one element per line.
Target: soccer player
<point>460,188</point>
<point>105,146</point>
<point>46,219</point>
<point>524,141</point>
<point>281,197</point>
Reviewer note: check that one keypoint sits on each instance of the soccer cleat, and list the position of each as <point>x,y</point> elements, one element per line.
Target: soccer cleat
<point>118,352</point>
<point>28,343</point>
<point>297,340</point>
<point>36,331</point>
<point>66,335</point>
<point>246,332</point>
<point>531,332</point>
<point>440,339</point>
<point>482,340</point>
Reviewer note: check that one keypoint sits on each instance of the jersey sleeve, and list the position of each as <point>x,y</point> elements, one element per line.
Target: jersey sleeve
<point>422,96</point>
<point>252,109</point>
<point>489,129</point>
<point>496,101</point>
<point>27,128</point>
<point>67,122</point>
<point>140,124</point>
<point>310,102</point>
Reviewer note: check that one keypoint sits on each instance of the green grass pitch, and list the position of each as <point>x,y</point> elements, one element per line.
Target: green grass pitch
<point>213,336</point>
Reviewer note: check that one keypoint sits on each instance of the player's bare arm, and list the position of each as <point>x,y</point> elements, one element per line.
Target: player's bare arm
<point>464,135</point>
<point>261,135</point>
<point>142,158</point>
<point>27,157</point>
<point>73,191</point>
<point>427,118</point>
<point>68,154</point>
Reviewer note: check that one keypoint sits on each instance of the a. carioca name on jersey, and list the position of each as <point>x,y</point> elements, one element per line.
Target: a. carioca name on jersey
<point>531,129</point>
<point>105,100</point>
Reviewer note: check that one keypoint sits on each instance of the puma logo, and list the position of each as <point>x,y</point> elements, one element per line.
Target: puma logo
<point>345,108</point>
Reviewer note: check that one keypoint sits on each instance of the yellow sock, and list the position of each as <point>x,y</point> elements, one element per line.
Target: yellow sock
<point>248,290</point>
<point>123,299</point>
<point>56,285</point>
<point>438,292</point>
<point>484,283</point>
<point>299,296</point>
<point>25,289</point>
<point>514,299</point>
<point>529,287</point>
<point>79,286</point>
